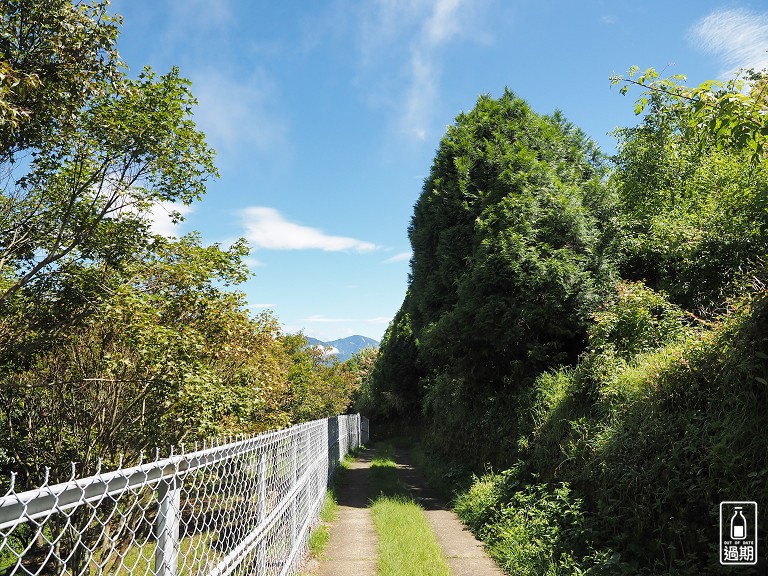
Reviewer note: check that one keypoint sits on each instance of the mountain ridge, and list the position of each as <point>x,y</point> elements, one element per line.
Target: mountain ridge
<point>344,348</point>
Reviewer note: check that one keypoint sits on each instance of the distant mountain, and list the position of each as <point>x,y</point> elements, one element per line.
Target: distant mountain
<point>343,348</point>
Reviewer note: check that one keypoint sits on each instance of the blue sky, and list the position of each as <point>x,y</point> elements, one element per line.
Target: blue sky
<point>326,115</point>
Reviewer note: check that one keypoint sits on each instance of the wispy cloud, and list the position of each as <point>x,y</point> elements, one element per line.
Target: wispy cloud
<point>321,319</point>
<point>197,15</point>
<point>440,26</point>
<point>419,30</point>
<point>236,111</point>
<point>252,262</point>
<point>737,36</point>
<point>240,108</point>
<point>443,22</point>
<point>402,257</point>
<point>164,218</point>
<point>267,228</point>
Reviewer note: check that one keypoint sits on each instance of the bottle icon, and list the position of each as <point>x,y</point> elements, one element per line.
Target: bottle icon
<point>738,525</point>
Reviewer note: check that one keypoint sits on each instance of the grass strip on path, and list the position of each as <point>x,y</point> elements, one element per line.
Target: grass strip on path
<point>407,546</point>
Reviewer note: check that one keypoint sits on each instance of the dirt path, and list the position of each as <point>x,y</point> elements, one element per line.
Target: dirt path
<point>351,550</point>
<point>352,546</point>
<point>464,553</point>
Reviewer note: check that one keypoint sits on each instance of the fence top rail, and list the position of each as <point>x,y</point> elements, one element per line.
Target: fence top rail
<point>16,508</point>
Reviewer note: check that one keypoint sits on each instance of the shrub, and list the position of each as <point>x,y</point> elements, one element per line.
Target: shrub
<point>533,529</point>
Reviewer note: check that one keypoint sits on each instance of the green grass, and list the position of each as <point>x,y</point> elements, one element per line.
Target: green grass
<point>330,507</point>
<point>354,453</point>
<point>384,480</point>
<point>318,540</point>
<point>196,554</point>
<point>407,546</point>
<point>319,537</point>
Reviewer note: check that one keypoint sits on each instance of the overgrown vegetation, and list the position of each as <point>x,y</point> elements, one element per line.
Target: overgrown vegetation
<point>593,329</point>
<point>508,261</point>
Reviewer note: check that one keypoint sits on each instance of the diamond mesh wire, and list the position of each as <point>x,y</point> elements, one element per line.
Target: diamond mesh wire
<point>243,507</point>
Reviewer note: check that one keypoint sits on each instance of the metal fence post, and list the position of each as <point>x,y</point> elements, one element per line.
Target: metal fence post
<point>357,430</point>
<point>333,446</point>
<point>364,430</point>
<point>168,521</point>
<point>261,513</point>
<point>294,481</point>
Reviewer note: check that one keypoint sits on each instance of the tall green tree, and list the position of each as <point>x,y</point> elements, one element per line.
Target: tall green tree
<point>508,261</point>
<point>55,56</point>
<point>393,388</point>
<point>85,151</point>
<point>113,339</point>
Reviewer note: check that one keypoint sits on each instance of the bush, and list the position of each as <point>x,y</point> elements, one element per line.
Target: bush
<point>636,320</point>
<point>533,529</point>
<point>693,218</point>
<point>652,442</point>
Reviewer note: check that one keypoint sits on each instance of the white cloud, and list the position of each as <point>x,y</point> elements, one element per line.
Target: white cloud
<point>267,228</point>
<point>737,36</point>
<point>443,23</point>
<point>162,216</point>
<point>199,15</point>
<point>239,109</point>
<point>402,257</point>
<point>421,96</point>
<point>260,306</point>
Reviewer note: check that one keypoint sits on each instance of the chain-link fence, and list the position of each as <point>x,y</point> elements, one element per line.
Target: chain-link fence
<point>243,507</point>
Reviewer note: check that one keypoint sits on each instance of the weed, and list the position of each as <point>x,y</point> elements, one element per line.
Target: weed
<point>318,540</point>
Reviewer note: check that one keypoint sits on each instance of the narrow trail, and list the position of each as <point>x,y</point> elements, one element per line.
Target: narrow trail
<point>351,550</point>
<point>464,553</point>
<point>352,547</point>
